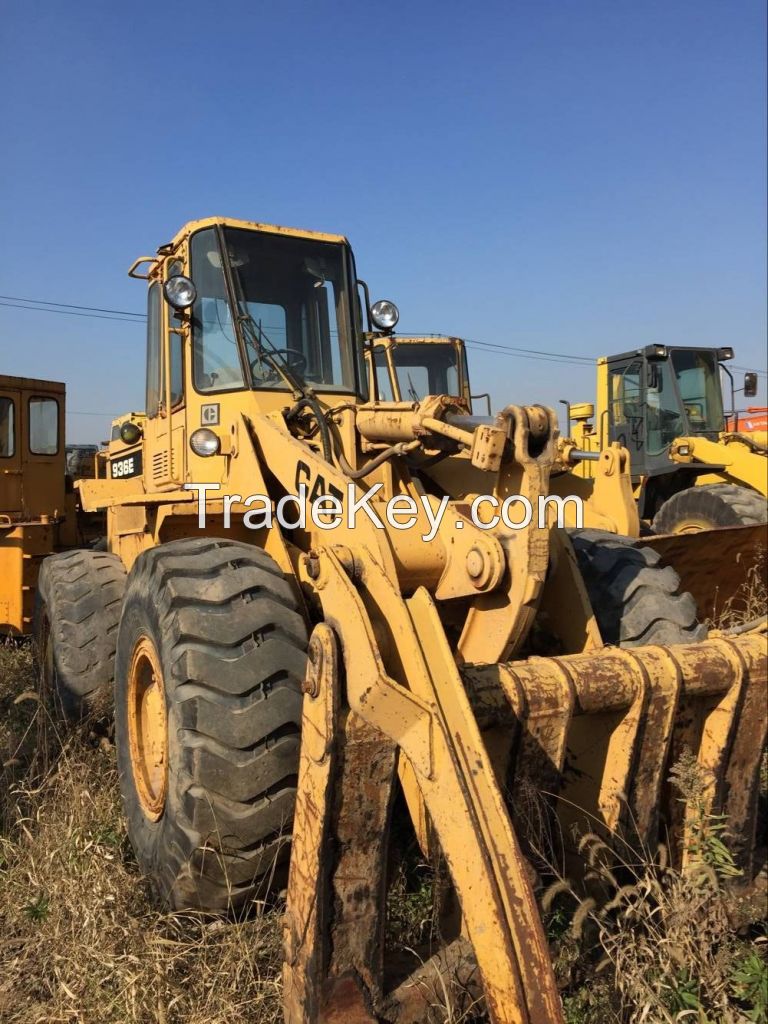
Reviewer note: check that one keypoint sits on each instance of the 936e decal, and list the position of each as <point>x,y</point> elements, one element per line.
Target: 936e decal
<point>126,466</point>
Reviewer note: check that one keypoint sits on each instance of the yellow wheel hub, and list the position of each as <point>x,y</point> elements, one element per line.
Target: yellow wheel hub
<point>693,524</point>
<point>147,728</point>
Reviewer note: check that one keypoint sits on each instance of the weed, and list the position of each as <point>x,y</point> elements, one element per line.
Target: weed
<point>750,601</point>
<point>661,938</point>
<point>37,910</point>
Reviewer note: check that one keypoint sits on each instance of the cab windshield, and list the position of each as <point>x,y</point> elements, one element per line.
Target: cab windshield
<point>292,300</point>
<point>698,381</point>
<point>683,398</point>
<point>422,369</point>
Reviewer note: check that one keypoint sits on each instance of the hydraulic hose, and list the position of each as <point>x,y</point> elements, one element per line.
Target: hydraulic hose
<point>401,448</point>
<point>311,403</point>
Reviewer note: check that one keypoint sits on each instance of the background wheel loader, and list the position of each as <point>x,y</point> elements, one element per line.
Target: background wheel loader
<point>38,502</point>
<point>692,468</point>
<point>413,366</point>
<point>357,680</point>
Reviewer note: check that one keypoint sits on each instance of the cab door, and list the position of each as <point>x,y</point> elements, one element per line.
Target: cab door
<point>10,453</point>
<point>165,431</point>
<point>626,409</point>
<point>42,452</point>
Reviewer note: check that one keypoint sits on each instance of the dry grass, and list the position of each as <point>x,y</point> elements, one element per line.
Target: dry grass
<point>641,942</point>
<point>80,941</point>
<point>749,603</point>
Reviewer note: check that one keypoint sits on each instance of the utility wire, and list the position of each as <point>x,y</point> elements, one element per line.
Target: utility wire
<point>69,312</point>
<point>746,369</point>
<point>70,305</point>
<point>502,351</point>
<point>123,315</point>
<point>529,352</point>
<point>532,353</point>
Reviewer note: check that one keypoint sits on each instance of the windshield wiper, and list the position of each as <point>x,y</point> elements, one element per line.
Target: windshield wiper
<point>257,337</point>
<point>243,321</point>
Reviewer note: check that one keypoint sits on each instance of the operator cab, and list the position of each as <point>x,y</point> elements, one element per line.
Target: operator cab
<point>409,369</point>
<point>659,394</point>
<point>238,307</point>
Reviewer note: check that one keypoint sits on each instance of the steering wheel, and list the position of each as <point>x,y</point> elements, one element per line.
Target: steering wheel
<point>294,359</point>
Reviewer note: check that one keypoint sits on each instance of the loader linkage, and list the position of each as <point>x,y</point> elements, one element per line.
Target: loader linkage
<point>642,708</point>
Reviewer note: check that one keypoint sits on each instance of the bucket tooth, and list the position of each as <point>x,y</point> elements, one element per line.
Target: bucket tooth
<point>607,757</point>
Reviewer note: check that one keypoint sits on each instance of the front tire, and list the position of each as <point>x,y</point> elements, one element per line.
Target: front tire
<point>709,506</point>
<point>211,656</point>
<point>635,600</point>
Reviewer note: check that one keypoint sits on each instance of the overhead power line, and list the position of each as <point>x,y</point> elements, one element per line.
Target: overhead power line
<point>746,369</point>
<point>71,312</point>
<point>129,316</point>
<point>530,352</point>
<point>70,305</point>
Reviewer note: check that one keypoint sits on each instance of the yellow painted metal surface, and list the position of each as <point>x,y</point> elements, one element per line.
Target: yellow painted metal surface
<point>742,465</point>
<point>33,503</point>
<point>148,727</point>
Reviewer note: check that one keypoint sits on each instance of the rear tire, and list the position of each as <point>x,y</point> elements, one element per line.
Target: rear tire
<point>77,610</point>
<point>709,506</point>
<point>635,601</point>
<point>230,645</point>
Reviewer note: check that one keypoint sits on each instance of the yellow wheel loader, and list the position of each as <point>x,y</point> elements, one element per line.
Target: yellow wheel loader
<point>346,618</point>
<point>38,502</point>
<point>691,469</point>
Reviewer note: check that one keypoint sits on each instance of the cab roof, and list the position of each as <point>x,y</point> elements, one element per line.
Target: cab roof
<point>251,225</point>
<point>31,384</point>
<point>670,348</point>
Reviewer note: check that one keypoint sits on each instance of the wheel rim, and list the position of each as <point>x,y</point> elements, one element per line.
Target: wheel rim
<point>147,728</point>
<point>692,524</point>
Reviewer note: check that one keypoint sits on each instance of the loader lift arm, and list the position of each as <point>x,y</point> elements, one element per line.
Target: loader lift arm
<point>434,727</point>
<point>358,720</point>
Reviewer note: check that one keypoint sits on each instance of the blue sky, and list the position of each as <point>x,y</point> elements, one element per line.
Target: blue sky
<point>570,177</point>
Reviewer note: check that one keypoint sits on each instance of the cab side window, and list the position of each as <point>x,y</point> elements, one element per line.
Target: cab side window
<point>43,426</point>
<point>176,348</point>
<point>383,381</point>
<point>626,392</point>
<point>154,350</point>
<point>177,371</point>
<point>7,428</point>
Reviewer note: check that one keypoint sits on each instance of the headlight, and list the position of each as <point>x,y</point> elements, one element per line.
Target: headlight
<point>385,314</point>
<point>130,432</point>
<point>656,351</point>
<point>204,442</point>
<point>180,291</point>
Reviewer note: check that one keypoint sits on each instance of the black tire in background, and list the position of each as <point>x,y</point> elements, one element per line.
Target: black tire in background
<point>232,648</point>
<point>636,601</point>
<point>77,611</point>
<point>709,506</point>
